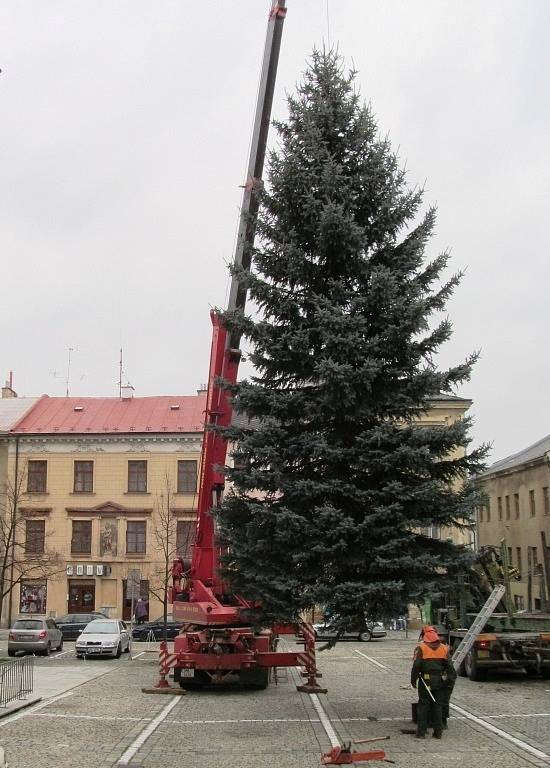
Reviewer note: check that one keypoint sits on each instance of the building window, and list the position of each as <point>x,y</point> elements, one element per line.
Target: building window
<point>488,510</point>
<point>546,497</point>
<point>136,537</point>
<point>532,506</point>
<point>510,562</point>
<point>34,536</point>
<point>507,502</point>
<point>519,602</point>
<point>185,537</point>
<point>36,476</point>
<point>534,559</point>
<point>499,503</point>
<point>32,597</point>
<point>81,541</point>
<point>516,505</point>
<point>187,476</point>
<point>83,476</point>
<point>432,531</point>
<point>518,559</point>
<point>137,477</point>
<point>480,514</point>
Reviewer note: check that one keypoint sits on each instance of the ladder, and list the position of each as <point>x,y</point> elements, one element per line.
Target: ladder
<point>479,622</point>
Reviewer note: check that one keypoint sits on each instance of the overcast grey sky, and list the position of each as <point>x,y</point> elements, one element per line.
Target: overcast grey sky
<point>124,137</point>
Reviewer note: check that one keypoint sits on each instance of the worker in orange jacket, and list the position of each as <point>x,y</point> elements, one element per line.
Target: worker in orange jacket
<point>432,670</point>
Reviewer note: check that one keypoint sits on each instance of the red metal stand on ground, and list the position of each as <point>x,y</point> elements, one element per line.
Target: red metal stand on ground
<point>344,756</point>
<point>163,666</point>
<point>310,665</point>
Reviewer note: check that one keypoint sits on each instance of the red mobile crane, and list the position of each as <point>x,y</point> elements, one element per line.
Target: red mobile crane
<point>216,639</point>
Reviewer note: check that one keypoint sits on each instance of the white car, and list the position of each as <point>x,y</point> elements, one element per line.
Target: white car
<point>103,637</point>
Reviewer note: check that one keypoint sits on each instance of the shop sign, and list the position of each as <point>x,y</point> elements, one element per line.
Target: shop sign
<point>73,569</point>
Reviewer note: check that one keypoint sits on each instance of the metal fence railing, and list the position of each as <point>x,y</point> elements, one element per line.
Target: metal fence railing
<point>16,679</point>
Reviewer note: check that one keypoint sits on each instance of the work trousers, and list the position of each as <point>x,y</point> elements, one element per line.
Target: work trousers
<point>430,712</point>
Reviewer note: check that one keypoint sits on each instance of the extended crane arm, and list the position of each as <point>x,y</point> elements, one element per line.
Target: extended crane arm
<point>205,601</point>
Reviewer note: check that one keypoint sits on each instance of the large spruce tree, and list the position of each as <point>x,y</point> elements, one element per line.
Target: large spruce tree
<point>336,477</point>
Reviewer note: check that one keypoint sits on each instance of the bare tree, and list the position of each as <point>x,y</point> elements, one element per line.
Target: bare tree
<point>170,545</point>
<point>24,554</point>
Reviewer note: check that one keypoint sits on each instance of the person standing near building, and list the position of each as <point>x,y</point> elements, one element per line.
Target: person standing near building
<point>140,612</point>
<point>432,670</point>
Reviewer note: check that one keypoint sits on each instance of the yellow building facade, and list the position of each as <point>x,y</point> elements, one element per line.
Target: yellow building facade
<point>102,504</point>
<point>445,410</point>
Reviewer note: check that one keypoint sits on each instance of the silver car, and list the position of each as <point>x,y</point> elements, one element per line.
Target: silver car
<point>371,630</point>
<point>103,637</point>
<point>36,635</point>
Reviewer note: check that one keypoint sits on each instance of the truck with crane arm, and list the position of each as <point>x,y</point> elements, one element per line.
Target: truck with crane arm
<point>217,641</point>
<point>508,639</point>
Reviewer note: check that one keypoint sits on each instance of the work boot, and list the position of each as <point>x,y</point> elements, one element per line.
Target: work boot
<point>438,734</point>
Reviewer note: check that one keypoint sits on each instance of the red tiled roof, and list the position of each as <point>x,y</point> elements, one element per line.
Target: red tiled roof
<point>102,415</point>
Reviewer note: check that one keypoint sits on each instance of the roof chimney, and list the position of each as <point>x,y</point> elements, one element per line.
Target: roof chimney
<point>7,389</point>
<point>203,388</point>
<point>127,392</point>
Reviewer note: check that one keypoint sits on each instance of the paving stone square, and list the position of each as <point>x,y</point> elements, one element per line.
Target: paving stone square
<point>94,713</point>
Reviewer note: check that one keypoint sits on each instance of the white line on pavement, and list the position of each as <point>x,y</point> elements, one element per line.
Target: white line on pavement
<point>526,714</point>
<point>325,720</point>
<point>150,729</point>
<point>323,717</point>
<point>373,661</point>
<point>32,710</point>
<point>58,655</point>
<point>63,716</point>
<point>503,734</point>
<point>138,655</point>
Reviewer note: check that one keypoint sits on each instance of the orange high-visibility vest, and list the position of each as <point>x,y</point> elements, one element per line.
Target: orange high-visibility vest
<point>441,652</point>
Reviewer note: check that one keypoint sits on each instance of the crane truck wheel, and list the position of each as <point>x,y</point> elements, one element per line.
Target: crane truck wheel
<point>255,678</point>
<point>364,637</point>
<point>472,669</point>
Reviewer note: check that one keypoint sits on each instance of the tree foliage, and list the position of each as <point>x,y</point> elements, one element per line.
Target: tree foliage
<point>336,477</point>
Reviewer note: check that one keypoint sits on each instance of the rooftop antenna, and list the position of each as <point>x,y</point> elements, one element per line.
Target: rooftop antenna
<point>120,375</point>
<point>68,377</point>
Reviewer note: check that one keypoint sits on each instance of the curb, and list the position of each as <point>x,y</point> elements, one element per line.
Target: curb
<point>23,705</point>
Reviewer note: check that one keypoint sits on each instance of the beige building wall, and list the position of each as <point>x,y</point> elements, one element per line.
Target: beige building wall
<point>446,411</point>
<point>109,507</point>
<point>518,511</point>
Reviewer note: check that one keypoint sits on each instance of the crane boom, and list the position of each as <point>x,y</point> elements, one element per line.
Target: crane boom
<point>207,604</point>
<point>249,207</point>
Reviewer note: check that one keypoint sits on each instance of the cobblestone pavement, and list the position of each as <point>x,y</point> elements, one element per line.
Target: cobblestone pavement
<point>98,722</point>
